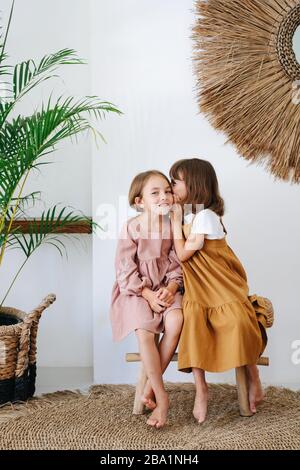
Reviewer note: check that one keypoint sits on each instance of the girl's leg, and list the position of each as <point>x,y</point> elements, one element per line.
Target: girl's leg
<point>256,394</point>
<point>200,405</point>
<point>166,348</point>
<point>151,361</point>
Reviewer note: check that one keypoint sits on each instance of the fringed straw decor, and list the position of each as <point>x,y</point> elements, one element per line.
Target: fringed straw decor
<point>248,78</point>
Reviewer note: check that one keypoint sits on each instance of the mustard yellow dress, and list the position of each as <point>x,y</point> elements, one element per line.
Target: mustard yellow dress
<point>223,326</point>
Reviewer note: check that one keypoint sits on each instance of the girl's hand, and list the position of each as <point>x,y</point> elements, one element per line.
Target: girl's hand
<point>157,305</point>
<point>176,213</point>
<point>176,199</point>
<point>164,294</point>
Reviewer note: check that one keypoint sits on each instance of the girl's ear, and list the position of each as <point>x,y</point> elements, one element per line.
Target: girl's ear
<point>138,202</point>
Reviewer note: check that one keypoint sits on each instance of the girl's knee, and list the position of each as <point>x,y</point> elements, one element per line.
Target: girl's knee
<point>145,336</point>
<point>174,321</point>
<point>177,315</point>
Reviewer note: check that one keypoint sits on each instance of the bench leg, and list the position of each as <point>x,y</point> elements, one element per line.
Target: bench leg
<point>242,388</point>
<point>138,406</point>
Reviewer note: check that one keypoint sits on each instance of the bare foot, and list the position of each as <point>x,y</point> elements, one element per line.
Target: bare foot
<point>256,394</point>
<point>149,403</point>
<point>200,405</point>
<point>159,416</point>
<point>148,397</point>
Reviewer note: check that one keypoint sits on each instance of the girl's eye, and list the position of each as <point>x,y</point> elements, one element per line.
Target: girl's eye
<point>169,191</point>
<point>154,193</point>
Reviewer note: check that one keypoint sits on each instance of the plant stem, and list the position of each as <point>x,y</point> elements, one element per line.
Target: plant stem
<point>12,218</point>
<point>13,281</point>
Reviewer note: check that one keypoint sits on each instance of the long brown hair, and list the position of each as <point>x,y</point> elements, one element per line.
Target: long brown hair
<point>201,184</point>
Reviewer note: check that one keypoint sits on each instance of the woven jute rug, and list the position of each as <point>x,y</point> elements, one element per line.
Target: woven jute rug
<point>102,419</point>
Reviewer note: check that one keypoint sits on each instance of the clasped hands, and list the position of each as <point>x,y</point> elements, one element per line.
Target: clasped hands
<point>159,300</point>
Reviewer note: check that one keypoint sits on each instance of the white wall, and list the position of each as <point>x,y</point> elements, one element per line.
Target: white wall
<point>141,53</point>
<point>139,58</point>
<point>40,27</point>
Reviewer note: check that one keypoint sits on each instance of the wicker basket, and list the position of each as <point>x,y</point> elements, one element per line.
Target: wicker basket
<point>18,332</point>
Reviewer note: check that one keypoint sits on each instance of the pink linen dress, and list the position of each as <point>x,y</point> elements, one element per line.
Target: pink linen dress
<point>142,261</point>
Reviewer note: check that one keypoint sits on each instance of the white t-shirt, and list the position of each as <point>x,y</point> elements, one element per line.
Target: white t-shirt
<point>206,222</point>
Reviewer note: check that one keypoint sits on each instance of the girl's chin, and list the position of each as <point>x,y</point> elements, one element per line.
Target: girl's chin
<point>161,210</point>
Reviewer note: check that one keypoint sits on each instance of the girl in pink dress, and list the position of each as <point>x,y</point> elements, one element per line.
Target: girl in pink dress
<point>146,297</point>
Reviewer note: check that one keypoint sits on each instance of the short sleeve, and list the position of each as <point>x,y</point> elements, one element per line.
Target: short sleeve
<point>205,222</point>
<point>127,274</point>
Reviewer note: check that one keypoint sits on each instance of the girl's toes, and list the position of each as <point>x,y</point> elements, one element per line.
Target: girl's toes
<point>253,407</point>
<point>152,421</point>
<point>151,404</point>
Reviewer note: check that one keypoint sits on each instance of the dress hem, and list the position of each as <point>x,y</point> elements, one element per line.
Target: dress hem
<point>188,369</point>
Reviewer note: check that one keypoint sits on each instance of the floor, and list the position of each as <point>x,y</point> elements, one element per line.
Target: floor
<point>103,420</point>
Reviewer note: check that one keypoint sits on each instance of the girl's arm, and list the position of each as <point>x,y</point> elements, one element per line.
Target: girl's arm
<point>128,276</point>
<point>173,279</point>
<point>185,249</point>
<point>173,287</point>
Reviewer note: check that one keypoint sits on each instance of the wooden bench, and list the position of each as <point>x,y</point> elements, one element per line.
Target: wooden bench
<point>241,382</point>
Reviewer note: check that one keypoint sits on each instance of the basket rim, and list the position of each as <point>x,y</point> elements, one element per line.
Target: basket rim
<point>11,311</point>
<point>6,330</point>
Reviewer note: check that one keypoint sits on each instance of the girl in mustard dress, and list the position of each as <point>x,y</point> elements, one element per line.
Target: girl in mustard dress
<point>223,326</point>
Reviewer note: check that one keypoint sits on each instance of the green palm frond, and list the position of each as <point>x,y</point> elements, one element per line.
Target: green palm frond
<point>26,200</point>
<point>31,136</point>
<point>5,109</point>
<point>5,70</point>
<point>28,74</point>
<point>24,203</point>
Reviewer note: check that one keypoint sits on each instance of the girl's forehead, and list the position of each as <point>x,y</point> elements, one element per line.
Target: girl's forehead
<point>157,182</point>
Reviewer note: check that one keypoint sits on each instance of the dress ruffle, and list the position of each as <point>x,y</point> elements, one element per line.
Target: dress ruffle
<point>220,338</point>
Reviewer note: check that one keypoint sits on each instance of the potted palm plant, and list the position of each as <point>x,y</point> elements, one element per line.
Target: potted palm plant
<point>26,143</point>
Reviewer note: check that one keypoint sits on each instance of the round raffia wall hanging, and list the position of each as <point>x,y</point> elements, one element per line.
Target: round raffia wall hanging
<point>248,78</point>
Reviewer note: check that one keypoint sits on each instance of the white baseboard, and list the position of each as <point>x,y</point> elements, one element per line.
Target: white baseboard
<point>52,379</point>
